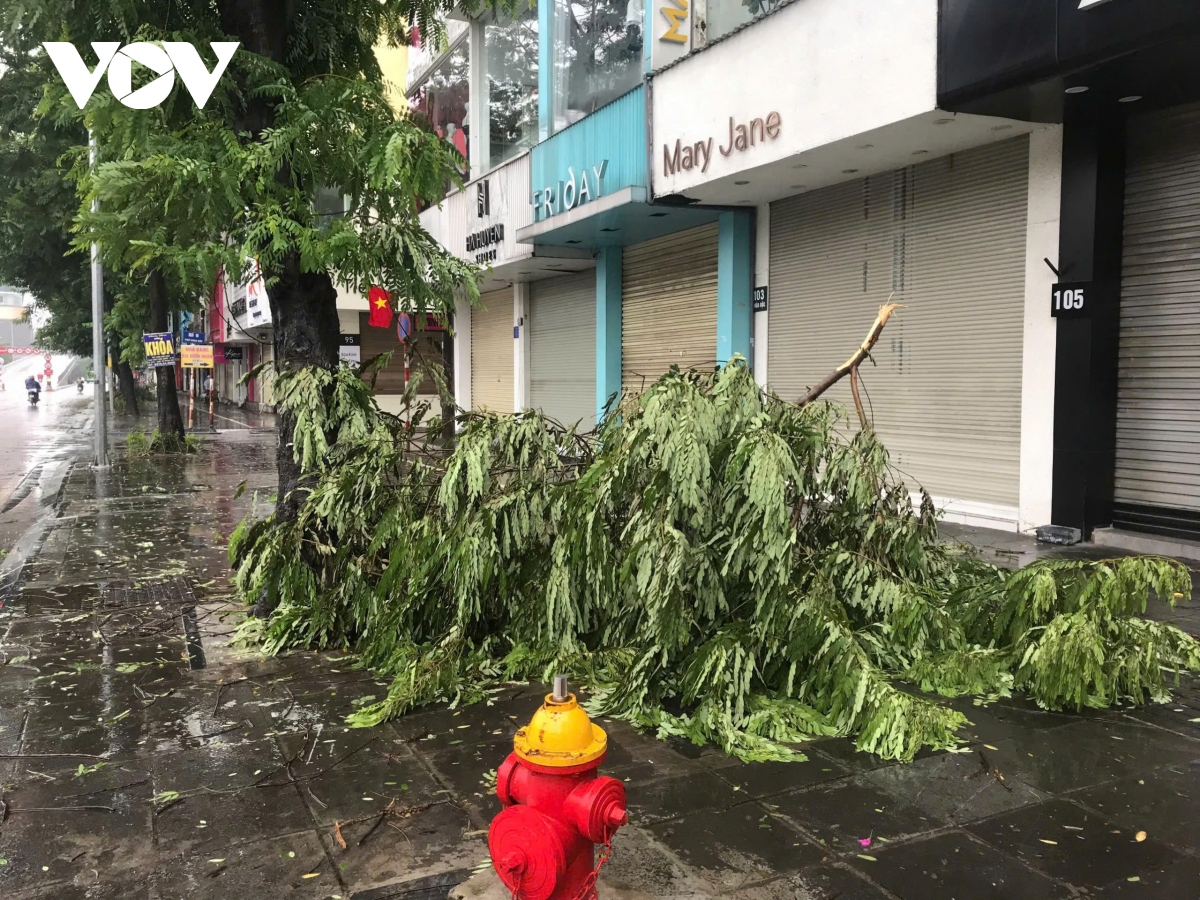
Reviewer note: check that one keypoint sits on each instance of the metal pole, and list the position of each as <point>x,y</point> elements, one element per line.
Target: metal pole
<point>98,354</point>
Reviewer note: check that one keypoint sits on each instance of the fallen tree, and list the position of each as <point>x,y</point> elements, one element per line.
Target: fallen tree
<point>712,562</point>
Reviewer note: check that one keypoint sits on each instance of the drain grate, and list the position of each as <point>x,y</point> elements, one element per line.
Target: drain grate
<point>165,599</point>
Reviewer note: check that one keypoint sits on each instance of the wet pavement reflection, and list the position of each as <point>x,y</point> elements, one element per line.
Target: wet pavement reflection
<point>141,756</point>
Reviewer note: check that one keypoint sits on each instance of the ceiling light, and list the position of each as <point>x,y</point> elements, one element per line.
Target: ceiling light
<point>1001,128</point>
<point>1078,89</point>
<point>741,182</point>
<point>1132,98</point>
<point>849,171</point>
<point>942,121</point>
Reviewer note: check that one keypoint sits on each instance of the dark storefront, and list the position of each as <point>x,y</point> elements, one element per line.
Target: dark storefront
<point>1123,77</point>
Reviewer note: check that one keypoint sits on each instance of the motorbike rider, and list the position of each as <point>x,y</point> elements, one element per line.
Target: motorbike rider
<point>31,384</point>
<point>79,383</point>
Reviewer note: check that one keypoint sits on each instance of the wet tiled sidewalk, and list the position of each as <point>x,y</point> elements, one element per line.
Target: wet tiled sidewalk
<point>141,757</point>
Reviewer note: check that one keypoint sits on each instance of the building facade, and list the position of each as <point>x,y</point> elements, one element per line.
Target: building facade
<point>677,184</point>
<point>1122,81</point>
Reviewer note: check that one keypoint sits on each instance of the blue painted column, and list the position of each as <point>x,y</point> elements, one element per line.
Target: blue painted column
<point>608,326</point>
<point>735,283</point>
<point>545,67</point>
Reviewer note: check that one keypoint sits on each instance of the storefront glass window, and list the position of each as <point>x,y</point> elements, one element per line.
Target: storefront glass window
<point>597,56</point>
<point>726,15</point>
<point>512,85</point>
<point>443,96</point>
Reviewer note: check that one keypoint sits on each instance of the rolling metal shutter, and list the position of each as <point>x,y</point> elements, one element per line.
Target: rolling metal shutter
<point>1158,378</point>
<point>947,239</point>
<point>562,348</point>
<point>389,379</point>
<point>668,305</point>
<point>492,352</point>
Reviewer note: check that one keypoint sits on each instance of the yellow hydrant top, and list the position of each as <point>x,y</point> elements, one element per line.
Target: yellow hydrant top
<point>560,734</point>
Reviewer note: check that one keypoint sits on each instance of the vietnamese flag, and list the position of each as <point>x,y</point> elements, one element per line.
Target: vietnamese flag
<point>380,302</point>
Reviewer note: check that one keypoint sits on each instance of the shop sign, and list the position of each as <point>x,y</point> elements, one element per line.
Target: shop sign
<point>760,299</point>
<point>574,191</point>
<point>160,349</point>
<point>193,337</point>
<point>741,137</point>
<point>231,351</point>
<point>350,349</point>
<point>672,31</point>
<point>484,243</point>
<point>196,356</point>
<point>1069,300</point>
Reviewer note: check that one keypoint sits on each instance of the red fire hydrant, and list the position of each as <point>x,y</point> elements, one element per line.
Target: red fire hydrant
<point>556,808</point>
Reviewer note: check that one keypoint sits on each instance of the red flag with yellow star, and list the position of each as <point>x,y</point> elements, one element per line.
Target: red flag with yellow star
<point>380,302</point>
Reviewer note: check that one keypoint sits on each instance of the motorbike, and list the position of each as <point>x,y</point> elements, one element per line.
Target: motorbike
<point>79,386</point>
<point>34,397</point>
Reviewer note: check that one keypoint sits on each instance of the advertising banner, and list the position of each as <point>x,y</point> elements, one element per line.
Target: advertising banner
<point>196,356</point>
<point>160,349</point>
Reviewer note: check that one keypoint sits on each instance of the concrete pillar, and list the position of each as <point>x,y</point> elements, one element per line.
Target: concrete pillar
<point>462,353</point>
<point>608,326</point>
<point>735,283</point>
<point>762,278</point>
<point>1038,354</point>
<point>520,346</point>
<point>1086,350</point>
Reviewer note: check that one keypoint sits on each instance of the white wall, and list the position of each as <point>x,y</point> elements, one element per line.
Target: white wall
<point>762,276</point>
<point>1038,357</point>
<point>830,68</point>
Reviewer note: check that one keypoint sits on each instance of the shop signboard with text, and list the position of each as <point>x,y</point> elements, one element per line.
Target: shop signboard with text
<point>482,219</point>
<point>196,356</point>
<point>160,349</point>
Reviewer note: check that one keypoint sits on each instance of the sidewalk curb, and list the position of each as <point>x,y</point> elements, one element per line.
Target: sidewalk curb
<point>27,546</point>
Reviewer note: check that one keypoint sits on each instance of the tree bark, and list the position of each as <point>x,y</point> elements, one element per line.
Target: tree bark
<point>128,388</point>
<point>304,313</point>
<point>170,420</point>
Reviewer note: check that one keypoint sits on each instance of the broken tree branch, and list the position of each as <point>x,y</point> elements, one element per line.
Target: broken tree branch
<point>858,406</point>
<point>864,349</point>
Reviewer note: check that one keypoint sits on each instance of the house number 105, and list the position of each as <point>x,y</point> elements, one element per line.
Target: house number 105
<point>1068,300</point>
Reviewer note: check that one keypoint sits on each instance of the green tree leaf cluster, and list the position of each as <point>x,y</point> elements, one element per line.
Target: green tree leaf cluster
<point>713,562</point>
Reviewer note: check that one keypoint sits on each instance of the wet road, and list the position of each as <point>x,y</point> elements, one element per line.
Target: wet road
<point>36,442</point>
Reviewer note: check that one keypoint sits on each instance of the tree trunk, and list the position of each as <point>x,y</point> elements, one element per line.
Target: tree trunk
<point>170,420</point>
<point>304,313</point>
<point>128,388</point>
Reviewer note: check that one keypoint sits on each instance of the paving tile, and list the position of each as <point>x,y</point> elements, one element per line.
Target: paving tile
<point>1090,752</point>
<point>1075,846</point>
<point>1178,881</point>
<point>766,779</point>
<point>846,812</point>
<point>843,751</point>
<point>422,843</point>
<point>272,868</point>
<point>640,862</point>
<point>956,787</point>
<point>51,837</point>
<point>678,795</point>
<point>1162,803</point>
<point>953,865</point>
<point>834,882</point>
<point>746,842</point>
<point>220,803</point>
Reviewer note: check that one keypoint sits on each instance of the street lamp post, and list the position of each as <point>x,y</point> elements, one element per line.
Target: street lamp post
<point>98,355</point>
